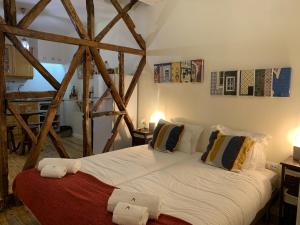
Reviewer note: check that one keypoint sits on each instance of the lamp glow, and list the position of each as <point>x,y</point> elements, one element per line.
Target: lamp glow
<point>156,117</point>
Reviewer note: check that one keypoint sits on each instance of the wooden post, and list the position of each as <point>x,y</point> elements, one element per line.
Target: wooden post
<point>87,71</point>
<point>10,12</point>
<point>3,127</point>
<point>121,75</point>
<point>90,9</point>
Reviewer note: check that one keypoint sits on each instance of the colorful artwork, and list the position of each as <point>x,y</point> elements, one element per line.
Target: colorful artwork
<point>176,72</point>
<point>260,82</point>
<point>263,82</point>
<point>230,82</point>
<point>247,79</point>
<point>197,70</point>
<point>281,82</point>
<point>186,71</point>
<point>217,83</point>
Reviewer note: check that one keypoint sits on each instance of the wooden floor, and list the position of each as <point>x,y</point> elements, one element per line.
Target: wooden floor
<point>21,216</point>
<point>16,161</point>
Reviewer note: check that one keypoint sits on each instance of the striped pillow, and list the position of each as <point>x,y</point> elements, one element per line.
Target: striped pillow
<point>166,136</point>
<point>227,152</point>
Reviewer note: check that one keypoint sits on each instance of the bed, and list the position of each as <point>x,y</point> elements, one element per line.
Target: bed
<point>191,190</point>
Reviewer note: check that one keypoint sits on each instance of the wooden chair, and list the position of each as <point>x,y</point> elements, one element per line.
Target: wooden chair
<point>27,142</point>
<point>11,143</point>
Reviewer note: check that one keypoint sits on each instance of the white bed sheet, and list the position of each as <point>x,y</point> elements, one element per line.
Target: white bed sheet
<point>202,194</point>
<point>115,168</point>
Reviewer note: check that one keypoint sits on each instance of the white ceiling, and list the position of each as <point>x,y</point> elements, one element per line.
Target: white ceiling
<point>55,19</point>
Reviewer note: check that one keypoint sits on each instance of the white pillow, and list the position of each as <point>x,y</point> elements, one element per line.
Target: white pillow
<point>189,138</point>
<point>256,157</point>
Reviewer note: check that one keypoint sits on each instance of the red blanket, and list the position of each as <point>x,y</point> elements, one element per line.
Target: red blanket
<point>77,199</point>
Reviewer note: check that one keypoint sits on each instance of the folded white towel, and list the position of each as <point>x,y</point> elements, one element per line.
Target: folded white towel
<point>54,171</point>
<point>72,165</point>
<point>127,214</point>
<point>151,202</point>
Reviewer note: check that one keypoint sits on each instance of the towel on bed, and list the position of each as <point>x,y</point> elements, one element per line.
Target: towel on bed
<point>127,214</point>
<point>151,202</point>
<point>54,171</point>
<point>72,165</point>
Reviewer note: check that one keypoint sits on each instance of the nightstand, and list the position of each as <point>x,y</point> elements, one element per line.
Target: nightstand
<point>290,176</point>
<point>141,137</point>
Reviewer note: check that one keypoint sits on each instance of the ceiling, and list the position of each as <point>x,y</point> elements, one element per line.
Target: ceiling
<point>55,19</point>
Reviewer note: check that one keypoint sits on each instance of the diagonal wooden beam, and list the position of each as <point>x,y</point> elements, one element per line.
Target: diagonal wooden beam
<point>67,40</point>
<point>10,12</point>
<point>114,134</point>
<point>109,83</point>
<point>100,100</point>
<point>130,24</point>
<point>90,9</point>
<point>75,19</point>
<point>22,123</point>
<point>58,144</point>
<point>108,113</point>
<point>121,74</point>
<point>135,80</point>
<point>36,150</point>
<point>126,102</point>
<point>87,73</point>
<point>113,22</point>
<point>3,127</point>
<point>33,13</point>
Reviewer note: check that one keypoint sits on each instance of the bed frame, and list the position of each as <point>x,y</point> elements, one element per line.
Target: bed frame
<point>264,214</point>
<point>89,45</point>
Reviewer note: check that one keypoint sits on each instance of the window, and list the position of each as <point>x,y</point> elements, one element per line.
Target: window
<point>230,83</point>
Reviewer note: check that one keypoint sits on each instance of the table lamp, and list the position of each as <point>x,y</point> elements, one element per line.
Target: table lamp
<point>296,152</point>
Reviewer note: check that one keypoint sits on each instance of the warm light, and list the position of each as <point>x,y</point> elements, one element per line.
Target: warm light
<point>297,138</point>
<point>156,117</point>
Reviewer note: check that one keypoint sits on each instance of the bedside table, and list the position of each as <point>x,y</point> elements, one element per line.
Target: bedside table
<point>141,137</point>
<point>290,176</point>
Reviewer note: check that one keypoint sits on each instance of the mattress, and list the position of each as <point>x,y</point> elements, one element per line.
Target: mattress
<point>202,194</point>
<point>115,168</point>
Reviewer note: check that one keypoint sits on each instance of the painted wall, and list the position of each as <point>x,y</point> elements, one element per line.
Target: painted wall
<point>230,34</point>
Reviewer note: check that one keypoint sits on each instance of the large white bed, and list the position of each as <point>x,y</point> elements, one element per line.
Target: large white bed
<point>189,189</point>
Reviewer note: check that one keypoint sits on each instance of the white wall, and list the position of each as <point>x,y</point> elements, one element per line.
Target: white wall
<point>230,34</point>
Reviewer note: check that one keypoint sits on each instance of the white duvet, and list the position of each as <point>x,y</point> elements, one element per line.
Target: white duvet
<point>202,194</point>
<point>115,168</point>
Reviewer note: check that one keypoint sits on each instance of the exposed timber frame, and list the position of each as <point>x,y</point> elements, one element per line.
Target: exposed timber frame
<point>89,45</point>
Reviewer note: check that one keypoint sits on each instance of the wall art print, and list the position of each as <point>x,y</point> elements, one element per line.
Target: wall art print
<point>274,82</point>
<point>189,71</point>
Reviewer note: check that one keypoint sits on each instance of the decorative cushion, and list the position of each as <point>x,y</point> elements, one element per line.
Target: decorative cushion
<point>166,136</point>
<point>227,152</point>
<point>190,136</point>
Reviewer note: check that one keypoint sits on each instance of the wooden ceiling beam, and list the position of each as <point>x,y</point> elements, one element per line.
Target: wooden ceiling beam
<point>113,22</point>
<point>68,40</point>
<point>28,19</point>
<point>130,24</point>
<point>36,150</point>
